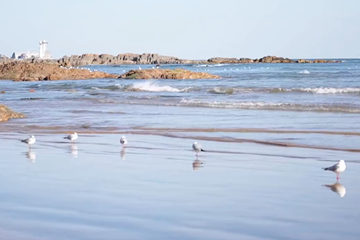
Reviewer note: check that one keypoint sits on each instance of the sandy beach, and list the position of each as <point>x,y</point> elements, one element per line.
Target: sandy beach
<point>92,189</point>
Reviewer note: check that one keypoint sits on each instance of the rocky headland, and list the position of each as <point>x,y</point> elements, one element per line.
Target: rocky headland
<point>167,74</point>
<point>46,71</point>
<point>6,113</point>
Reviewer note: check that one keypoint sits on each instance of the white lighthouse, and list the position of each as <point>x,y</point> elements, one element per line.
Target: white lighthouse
<point>42,49</point>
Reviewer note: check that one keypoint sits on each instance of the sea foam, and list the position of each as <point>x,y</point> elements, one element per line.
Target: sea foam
<point>152,86</point>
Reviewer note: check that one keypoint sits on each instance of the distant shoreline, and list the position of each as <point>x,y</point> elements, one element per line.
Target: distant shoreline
<point>151,58</point>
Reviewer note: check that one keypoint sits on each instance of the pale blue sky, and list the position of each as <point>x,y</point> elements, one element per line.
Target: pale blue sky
<point>193,29</point>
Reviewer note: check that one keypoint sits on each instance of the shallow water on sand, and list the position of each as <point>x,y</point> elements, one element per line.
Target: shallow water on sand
<point>157,189</point>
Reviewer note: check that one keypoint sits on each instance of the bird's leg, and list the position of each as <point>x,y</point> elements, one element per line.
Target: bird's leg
<point>337,176</point>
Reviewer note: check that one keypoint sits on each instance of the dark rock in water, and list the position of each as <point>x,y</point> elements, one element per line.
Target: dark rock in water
<point>274,59</point>
<point>246,60</point>
<point>46,71</point>
<point>6,113</point>
<point>223,60</point>
<point>167,74</point>
<point>36,98</point>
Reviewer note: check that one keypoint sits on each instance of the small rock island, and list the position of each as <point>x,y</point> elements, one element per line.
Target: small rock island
<point>167,74</point>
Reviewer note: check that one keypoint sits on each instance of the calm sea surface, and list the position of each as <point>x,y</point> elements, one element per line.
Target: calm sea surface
<point>268,129</point>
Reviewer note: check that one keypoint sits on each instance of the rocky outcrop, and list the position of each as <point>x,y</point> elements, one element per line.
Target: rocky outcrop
<point>4,59</point>
<point>267,59</point>
<point>167,74</point>
<point>40,71</point>
<point>222,60</point>
<point>273,59</point>
<point>6,113</point>
<point>151,58</point>
<point>127,58</point>
<point>147,58</point>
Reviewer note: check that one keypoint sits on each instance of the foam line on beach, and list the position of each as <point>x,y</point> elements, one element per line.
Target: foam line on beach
<point>247,130</point>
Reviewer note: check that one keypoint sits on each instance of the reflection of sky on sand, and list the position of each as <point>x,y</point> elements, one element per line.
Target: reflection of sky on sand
<point>257,194</point>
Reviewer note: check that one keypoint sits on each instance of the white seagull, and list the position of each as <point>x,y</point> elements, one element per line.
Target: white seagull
<point>123,140</point>
<point>197,148</point>
<point>29,141</point>
<point>72,137</point>
<point>337,168</point>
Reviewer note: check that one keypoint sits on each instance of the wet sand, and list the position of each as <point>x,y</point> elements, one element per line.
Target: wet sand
<point>158,189</point>
<point>177,133</point>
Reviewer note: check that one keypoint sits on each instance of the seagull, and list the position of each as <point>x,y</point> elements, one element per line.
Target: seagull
<point>123,140</point>
<point>197,148</point>
<point>139,68</point>
<point>29,141</point>
<point>72,137</point>
<point>337,188</point>
<point>337,168</point>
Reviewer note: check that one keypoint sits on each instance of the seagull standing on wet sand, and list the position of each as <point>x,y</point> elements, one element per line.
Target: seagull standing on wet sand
<point>337,168</point>
<point>72,137</point>
<point>197,148</point>
<point>123,141</point>
<point>29,141</point>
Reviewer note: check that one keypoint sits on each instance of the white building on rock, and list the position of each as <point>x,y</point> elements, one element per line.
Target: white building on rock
<point>42,54</point>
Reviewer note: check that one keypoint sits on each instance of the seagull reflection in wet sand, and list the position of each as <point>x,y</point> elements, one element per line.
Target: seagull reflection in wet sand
<point>337,188</point>
<point>31,155</point>
<point>122,153</point>
<point>197,164</point>
<point>74,149</point>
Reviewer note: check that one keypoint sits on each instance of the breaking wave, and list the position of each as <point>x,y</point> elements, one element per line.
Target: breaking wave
<point>318,90</point>
<point>222,90</point>
<point>271,106</point>
<point>147,86</point>
<point>210,65</point>
<point>304,72</point>
<point>331,90</point>
<point>151,86</point>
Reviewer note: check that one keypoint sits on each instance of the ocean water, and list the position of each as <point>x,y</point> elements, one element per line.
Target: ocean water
<point>268,130</point>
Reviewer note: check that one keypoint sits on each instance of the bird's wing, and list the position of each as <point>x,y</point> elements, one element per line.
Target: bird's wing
<point>333,167</point>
